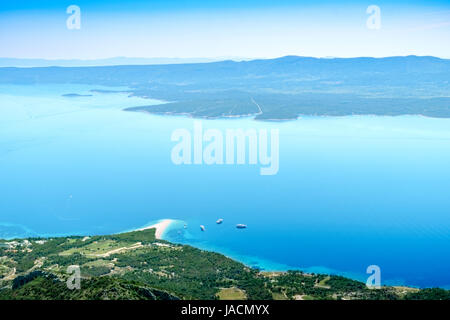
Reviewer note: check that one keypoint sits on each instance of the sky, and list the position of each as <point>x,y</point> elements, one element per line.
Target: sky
<point>225,28</point>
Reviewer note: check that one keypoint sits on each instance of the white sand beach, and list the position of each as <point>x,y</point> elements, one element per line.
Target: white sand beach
<point>160,227</point>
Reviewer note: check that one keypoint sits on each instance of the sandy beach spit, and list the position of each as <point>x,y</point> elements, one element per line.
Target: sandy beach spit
<point>160,227</point>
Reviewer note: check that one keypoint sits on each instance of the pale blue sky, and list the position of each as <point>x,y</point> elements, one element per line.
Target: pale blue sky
<point>251,29</point>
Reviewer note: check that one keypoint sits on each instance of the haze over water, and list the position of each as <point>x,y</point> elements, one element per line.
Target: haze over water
<point>350,192</point>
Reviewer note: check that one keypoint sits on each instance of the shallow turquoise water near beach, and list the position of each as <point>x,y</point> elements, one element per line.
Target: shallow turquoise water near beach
<point>350,191</point>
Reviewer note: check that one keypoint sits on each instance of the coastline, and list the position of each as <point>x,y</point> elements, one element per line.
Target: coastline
<point>268,266</point>
<point>164,225</point>
<point>161,227</point>
<point>254,116</point>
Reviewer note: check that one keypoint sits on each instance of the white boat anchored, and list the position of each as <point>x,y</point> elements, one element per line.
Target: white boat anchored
<point>202,227</point>
<point>219,221</point>
<point>241,226</point>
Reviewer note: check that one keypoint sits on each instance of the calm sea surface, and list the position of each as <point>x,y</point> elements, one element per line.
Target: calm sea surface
<point>350,192</point>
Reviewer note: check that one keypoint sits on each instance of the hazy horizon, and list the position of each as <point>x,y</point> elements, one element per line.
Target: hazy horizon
<point>218,58</point>
<point>6,62</point>
<point>250,29</point>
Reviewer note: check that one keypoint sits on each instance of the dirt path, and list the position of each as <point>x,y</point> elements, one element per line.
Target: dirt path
<point>10,276</point>
<point>37,264</point>
<point>257,104</point>
<point>107,254</point>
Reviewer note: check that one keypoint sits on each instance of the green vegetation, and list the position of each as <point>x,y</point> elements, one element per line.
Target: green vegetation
<point>135,265</point>
<point>44,286</point>
<point>279,296</point>
<point>429,294</point>
<point>323,283</point>
<point>231,294</point>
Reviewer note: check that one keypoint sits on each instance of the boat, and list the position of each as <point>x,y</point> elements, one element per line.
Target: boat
<point>241,226</point>
<point>219,221</point>
<point>202,227</point>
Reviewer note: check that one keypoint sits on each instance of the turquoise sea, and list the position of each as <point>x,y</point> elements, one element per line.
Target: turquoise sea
<point>350,191</point>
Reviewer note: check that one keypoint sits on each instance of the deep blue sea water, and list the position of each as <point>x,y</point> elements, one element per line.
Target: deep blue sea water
<point>350,191</point>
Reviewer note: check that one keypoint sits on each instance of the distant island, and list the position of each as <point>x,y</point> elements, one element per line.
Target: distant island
<point>138,266</point>
<point>76,95</point>
<point>109,91</point>
<point>272,90</point>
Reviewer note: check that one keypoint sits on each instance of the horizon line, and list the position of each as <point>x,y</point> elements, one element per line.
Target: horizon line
<point>186,60</point>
